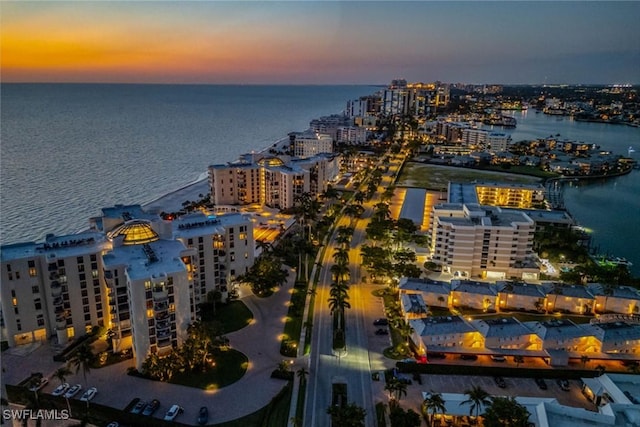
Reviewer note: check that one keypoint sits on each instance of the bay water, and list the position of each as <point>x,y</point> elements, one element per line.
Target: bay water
<point>608,208</point>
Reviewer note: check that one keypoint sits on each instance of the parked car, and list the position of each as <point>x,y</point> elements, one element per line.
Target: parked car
<point>139,407</point>
<point>564,384</point>
<point>173,412</point>
<point>60,390</point>
<point>39,384</point>
<point>73,391</point>
<point>436,355</point>
<point>498,358</point>
<point>380,322</point>
<point>151,407</point>
<point>541,383</point>
<point>500,382</point>
<point>381,331</point>
<point>89,394</point>
<point>469,357</point>
<point>203,416</point>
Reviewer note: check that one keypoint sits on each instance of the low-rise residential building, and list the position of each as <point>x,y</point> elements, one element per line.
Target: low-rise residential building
<point>615,299</point>
<point>564,335</point>
<point>308,144</point>
<point>441,332</point>
<point>413,306</point>
<point>507,333</point>
<point>618,337</point>
<point>434,293</point>
<point>520,296</point>
<point>569,298</point>
<point>472,294</point>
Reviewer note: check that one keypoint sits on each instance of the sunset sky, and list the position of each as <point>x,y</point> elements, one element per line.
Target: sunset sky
<point>320,42</point>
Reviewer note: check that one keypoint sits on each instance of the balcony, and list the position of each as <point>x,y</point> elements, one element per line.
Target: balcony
<point>163,334</point>
<point>162,316</point>
<point>163,325</point>
<point>159,295</point>
<point>58,301</point>
<point>54,275</point>
<point>165,342</point>
<point>161,306</point>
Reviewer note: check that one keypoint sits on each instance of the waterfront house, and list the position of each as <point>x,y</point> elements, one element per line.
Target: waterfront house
<point>615,299</point>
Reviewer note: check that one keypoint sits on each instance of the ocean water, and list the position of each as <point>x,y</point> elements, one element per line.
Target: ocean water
<point>70,149</point>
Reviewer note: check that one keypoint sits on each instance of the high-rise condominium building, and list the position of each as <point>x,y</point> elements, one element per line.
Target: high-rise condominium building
<point>471,240</point>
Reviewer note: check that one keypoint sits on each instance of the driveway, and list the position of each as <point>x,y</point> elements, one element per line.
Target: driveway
<point>259,342</point>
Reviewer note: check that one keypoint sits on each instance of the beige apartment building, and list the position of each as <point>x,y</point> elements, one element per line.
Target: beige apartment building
<point>138,275</point>
<point>470,240</point>
<point>271,181</point>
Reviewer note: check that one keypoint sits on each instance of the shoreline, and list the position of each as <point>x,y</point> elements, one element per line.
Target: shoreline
<point>172,201</point>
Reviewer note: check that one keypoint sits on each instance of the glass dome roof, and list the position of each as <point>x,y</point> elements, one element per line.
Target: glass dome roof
<point>135,232</point>
<point>271,161</point>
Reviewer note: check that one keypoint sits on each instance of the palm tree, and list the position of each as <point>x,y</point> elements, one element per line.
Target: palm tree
<point>302,375</point>
<point>432,405</point>
<point>478,398</point>
<point>405,330</point>
<point>83,359</point>
<point>62,373</point>
<point>341,256</point>
<point>584,359</point>
<point>349,415</point>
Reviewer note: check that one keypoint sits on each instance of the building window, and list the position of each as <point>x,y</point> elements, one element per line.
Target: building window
<point>35,289</point>
<point>147,284</point>
<point>38,304</point>
<point>40,321</point>
<point>87,317</point>
<point>85,301</point>
<point>86,309</point>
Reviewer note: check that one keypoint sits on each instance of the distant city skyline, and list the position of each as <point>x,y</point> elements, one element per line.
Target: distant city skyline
<point>321,42</point>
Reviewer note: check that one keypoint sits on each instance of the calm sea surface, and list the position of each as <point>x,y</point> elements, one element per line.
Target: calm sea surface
<point>609,208</point>
<point>69,150</point>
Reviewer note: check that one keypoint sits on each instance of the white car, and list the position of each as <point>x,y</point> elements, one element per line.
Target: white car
<point>59,391</point>
<point>73,391</point>
<point>89,394</point>
<point>173,412</point>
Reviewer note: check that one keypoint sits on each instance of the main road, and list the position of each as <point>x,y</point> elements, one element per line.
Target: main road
<point>353,368</point>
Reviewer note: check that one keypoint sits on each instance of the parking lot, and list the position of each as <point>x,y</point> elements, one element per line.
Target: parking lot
<point>524,387</point>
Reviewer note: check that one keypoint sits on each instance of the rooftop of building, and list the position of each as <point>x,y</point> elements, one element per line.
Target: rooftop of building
<point>152,259</point>
<point>198,224</point>
<point>473,287</point>
<point>519,288</point>
<point>60,246</point>
<point>413,303</point>
<point>424,285</point>
<point>616,331</point>
<point>440,325</point>
<point>413,205</point>
<point>503,327</point>
<point>575,291</point>
<point>558,328</point>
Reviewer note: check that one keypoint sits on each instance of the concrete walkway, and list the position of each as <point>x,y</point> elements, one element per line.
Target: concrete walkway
<point>259,342</point>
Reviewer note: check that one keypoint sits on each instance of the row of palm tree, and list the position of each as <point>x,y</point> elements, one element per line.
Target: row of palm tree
<point>339,290</point>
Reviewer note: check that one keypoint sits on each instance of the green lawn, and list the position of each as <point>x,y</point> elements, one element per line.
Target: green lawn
<point>233,315</point>
<point>436,177</point>
<point>230,367</point>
